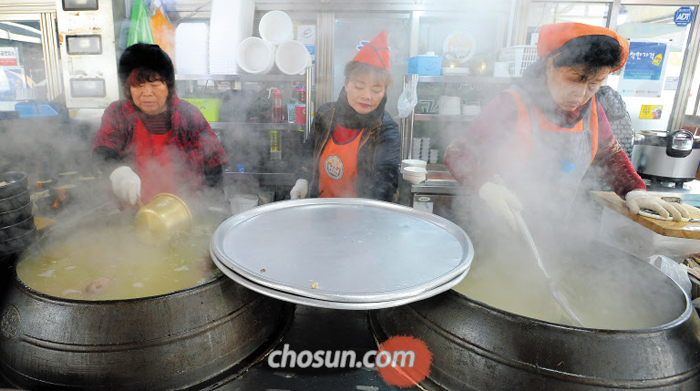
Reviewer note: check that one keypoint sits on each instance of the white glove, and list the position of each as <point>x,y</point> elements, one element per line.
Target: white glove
<point>638,200</point>
<point>126,184</point>
<point>301,187</point>
<point>501,201</point>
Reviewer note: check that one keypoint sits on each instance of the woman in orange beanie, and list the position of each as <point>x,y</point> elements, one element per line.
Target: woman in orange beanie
<point>354,145</point>
<point>539,138</point>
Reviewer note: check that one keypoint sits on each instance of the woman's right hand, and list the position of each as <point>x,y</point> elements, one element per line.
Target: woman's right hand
<point>126,184</point>
<point>301,187</point>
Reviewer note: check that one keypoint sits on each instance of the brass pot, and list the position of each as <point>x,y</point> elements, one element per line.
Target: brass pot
<point>162,219</point>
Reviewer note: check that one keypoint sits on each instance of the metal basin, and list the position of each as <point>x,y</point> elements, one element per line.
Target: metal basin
<point>480,347</point>
<point>189,339</point>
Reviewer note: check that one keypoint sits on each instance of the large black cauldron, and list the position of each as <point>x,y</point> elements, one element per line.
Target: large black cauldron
<point>189,339</point>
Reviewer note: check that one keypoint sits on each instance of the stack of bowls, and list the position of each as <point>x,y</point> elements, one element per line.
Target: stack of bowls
<point>414,175</point>
<point>413,163</point>
<point>17,229</point>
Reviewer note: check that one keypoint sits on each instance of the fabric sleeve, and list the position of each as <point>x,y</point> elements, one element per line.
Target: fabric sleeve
<point>615,167</point>
<point>466,157</point>
<point>113,130</point>
<point>110,142</point>
<point>385,172</point>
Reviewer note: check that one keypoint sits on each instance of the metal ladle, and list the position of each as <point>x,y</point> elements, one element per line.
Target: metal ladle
<point>550,282</point>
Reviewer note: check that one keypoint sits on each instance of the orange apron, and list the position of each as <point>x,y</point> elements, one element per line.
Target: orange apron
<point>154,165</point>
<point>548,162</point>
<point>338,169</point>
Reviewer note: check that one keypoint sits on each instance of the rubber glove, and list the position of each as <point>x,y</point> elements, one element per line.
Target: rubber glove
<point>637,200</point>
<point>126,184</point>
<point>501,201</point>
<point>301,187</point>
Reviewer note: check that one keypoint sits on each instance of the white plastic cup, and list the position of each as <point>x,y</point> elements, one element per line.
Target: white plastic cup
<point>255,55</point>
<point>292,58</point>
<point>276,27</point>
<point>242,202</point>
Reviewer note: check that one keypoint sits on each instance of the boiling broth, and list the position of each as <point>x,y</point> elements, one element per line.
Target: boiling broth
<point>605,292</point>
<point>111,264</point>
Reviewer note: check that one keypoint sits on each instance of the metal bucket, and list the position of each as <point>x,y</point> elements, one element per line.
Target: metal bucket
<point>479,347</point>
<point>189,339</point>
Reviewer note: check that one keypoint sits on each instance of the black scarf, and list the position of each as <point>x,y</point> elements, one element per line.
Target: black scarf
<point>347,117</point>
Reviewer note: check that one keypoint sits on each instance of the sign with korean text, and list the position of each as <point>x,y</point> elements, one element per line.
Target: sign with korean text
<point>651,112</point>
<point>8,56</point>
<point>644,70</point>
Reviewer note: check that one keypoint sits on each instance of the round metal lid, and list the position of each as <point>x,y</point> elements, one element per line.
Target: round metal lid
<point>288,297</point>
<point>343,249</point>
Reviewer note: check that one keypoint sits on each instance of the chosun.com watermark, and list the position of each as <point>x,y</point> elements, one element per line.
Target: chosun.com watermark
<point>402,361</point>
<point>287,358</point>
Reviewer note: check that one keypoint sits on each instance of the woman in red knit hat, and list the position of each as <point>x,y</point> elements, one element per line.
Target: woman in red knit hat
<point>353,148</point>
<point>534,142</point>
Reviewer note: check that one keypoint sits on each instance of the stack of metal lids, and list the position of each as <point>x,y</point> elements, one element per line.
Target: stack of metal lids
<point>342,253</point>
<point>17,228</point>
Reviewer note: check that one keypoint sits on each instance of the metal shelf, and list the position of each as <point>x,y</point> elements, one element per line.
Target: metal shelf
<point>262,178</point>
<point>444,118</point>
<point>257,126</point>
<point>242,77</point>
<point>466,79</point>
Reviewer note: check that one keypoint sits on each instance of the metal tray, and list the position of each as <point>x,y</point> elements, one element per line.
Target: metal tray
<point>288,297</point>
<point>343,249</point>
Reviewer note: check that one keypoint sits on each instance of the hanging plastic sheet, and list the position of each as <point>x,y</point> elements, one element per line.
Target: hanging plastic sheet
<point>140,26</point>
<point>162,29</point>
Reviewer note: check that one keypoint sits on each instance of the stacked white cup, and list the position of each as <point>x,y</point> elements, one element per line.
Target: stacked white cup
<point>433,156</point>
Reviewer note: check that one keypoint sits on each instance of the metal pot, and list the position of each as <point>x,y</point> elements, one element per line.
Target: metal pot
<point>479,347</point>
<point>165,216</point>
<point>673,157</point>
<point>189,339</point>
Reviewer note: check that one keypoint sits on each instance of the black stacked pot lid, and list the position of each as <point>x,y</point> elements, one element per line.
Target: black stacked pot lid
<point>17,228</point>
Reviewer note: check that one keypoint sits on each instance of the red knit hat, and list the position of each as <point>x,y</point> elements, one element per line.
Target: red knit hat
<point>553,36</point>
<point>376,52</point>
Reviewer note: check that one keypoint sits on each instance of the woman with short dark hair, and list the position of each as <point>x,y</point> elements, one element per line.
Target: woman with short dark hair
<point>152,142</point>
<point>354,145</point>
<point>540,137</point>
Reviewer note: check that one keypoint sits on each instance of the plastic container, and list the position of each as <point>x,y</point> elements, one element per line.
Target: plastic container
<point>36,109</point>
<point>242,202</point>
<point>276,27</point>
<point>277,113</point>
<point>300,114</point>
<point>519,58</point>
<point>208,107</point>
<point>425,65</point>
<point>292,58</point>
<point>255,55</point>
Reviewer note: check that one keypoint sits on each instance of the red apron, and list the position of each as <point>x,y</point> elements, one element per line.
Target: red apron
<point>154,165</point>
<point>338,169</point>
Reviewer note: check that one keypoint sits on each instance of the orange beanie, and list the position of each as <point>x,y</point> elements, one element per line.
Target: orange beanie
<point>553,36</point>
<point>376,52</point>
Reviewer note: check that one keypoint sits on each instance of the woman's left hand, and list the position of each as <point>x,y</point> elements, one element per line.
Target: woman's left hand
<point>637,200</point>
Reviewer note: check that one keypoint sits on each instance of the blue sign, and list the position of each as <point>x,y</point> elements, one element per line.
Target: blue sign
<point>683,16</point>
<point>645,61</point>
